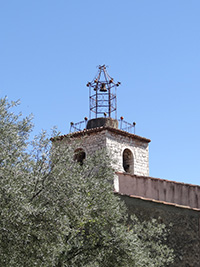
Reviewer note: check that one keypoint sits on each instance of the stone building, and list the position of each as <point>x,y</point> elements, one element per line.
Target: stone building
<point>173,203</point>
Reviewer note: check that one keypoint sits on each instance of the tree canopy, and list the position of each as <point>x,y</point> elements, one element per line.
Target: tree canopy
<point>57,212</point>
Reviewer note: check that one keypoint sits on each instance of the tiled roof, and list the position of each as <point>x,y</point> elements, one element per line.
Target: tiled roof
<point>100,129</point>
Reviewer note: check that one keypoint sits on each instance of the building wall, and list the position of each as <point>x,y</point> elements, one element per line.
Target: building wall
<point>91,143</point>
<point>160,189</point>
<point>183,225</point>
<point>116,144</point>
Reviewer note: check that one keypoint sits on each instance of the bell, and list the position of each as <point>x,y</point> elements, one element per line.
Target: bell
<point>103,88</point>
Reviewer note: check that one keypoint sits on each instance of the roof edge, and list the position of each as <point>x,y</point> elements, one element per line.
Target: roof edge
<point>99,129</point>
<point>159,202</point>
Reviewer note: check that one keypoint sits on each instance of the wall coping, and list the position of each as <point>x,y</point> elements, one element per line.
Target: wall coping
<point>158,179</point>
<point>160,190</point>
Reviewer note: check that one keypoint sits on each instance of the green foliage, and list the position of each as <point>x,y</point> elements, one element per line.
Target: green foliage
<point>55,212</point>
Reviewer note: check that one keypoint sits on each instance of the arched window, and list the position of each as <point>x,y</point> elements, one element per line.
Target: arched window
<point>128,161</point>
<point>79,155</point>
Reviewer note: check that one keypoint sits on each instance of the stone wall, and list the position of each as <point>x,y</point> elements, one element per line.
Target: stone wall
<point>184,236</point>
<point>160,189</point>
<point>116,143</point>
<point>91,143</point>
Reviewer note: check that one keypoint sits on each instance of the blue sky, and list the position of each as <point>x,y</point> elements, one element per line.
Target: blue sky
<point>49,50</point>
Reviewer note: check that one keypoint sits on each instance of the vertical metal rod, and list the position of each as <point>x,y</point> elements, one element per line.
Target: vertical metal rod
<point>109,102</point>
<point>96,100</point>
<point>90,101</point>
<point>115,103</point>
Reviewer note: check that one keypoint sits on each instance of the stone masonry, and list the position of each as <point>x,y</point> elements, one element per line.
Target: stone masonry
<point>115,141</point>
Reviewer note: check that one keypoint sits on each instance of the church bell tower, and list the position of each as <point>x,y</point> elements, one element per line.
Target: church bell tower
<point>129,151</point>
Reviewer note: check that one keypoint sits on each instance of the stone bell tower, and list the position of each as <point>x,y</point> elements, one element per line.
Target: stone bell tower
<point>129,151</point>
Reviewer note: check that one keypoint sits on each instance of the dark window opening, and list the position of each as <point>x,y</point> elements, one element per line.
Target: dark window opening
<point>128,161</point>
<point>79,155</point>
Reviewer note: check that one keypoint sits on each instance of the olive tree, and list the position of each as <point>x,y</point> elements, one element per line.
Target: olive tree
<point>57,212</point>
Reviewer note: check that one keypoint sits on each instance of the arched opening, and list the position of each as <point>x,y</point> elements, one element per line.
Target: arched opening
<point>79,155</point>
<point>128,161</point>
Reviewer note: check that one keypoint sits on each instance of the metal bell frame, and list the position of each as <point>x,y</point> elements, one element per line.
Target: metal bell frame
<point>102,94</point>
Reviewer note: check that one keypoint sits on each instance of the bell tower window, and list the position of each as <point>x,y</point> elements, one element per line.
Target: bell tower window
<point>79,155</point>
<point>128,163</point>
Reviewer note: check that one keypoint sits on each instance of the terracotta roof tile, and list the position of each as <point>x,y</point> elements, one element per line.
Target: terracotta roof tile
<point>99,129</point>
<point>159,202</point>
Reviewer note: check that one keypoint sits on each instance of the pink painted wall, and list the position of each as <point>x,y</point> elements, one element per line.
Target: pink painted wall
<point>159,189</point>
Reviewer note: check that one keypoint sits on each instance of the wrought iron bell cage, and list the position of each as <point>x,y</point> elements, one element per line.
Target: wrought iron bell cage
<point>102,95</point>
